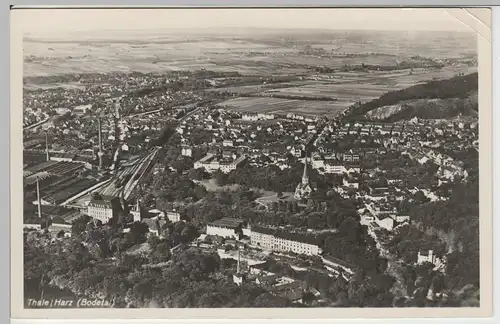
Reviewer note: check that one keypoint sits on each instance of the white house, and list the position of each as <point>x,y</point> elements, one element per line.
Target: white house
<point>226,227</point>
<point>428,256</point>
<point>173,216</point>
<point>186,151</point>
<point>227,143</point>
<point>386,222</point>
<point>402,218</point>
<point>282,242</point>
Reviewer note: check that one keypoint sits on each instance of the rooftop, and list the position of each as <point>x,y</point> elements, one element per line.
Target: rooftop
<point>228,222</point>
<point>292,236</point>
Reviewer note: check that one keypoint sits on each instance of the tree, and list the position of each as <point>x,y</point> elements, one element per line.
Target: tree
<point>153,241</point>
<point>308,298</point>
<point>80,225</point>
<point>137,234</point>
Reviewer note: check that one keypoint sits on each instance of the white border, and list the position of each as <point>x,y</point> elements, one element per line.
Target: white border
<point>485,228</point>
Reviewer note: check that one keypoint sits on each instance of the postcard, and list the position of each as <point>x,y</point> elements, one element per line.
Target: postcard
<point>184,162</point>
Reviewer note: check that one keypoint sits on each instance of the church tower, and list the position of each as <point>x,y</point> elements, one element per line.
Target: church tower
<point>136,212</point>
<point>305,177</point>
<point>304,189</point>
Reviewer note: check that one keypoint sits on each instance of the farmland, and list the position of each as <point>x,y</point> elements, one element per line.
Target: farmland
<point>259,53</point>
<point>283,106</point>
<point>344,88</point>
<point>323,68</point>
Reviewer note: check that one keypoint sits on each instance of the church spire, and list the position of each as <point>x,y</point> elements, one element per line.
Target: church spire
<point>304,189</point>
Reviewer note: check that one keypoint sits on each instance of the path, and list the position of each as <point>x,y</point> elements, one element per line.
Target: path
<point>35,125</point>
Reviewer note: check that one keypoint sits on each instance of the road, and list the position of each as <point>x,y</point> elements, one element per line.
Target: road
<point>35,125</point>
<point>143,113</point>
<point>189,114</point>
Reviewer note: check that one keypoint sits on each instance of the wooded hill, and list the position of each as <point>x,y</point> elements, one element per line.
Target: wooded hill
<point>461,87</point>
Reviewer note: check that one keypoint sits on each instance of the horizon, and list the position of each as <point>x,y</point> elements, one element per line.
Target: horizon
<point>114,35</point>
<point>61,22</point>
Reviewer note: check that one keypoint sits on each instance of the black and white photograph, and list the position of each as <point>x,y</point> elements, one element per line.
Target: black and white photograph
<point>250,158</point>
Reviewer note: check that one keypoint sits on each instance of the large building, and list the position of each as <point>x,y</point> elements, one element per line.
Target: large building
<point>226,227</point>
<point>173,216</point>
<point>103,209</point>
<point>304,189</point>
<point>282,241</point>
<point>211,163</point>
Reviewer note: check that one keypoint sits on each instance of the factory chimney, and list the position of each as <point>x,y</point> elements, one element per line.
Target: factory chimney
<point>100,154</point>
<point>39,200</point>
<point>238,267</point>
<point>47,147</point>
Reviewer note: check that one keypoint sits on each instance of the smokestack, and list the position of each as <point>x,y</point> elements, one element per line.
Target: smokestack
<point>238,265</point>
<point>100,143</point>
<point>47,147</point>
<point>39,200</point>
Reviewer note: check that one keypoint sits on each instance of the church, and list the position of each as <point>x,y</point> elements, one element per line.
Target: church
<point>304,189</point>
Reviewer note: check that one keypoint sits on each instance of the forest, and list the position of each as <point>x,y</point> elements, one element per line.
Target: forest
<point>456,87</point>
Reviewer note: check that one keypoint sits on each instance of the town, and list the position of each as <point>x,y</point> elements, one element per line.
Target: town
<point>296,201</point>
<point>260,167</point>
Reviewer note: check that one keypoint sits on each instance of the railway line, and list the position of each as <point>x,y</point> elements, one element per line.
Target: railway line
<point>126,179</point>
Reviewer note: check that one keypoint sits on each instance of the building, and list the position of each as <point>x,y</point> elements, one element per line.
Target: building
<point>304,189</point>
<point>136,212</point>
<point>385,221</point>
<point>402,219</point>
<point>187,151</point>
<point>296,151</point>
<point>293,291</point>
<point>250,117</point>
<point>227,143</point>
<point>81,110</point>
<point>62,157</point>
<point>426,256</point>
<point>227,167</point>
<point>57,227</point>
<point>211,163</point>
<point>103,209</point>
<point>350,183</point>
<point>32,226</point>
<point>203,162</point>
<point>226,227</point>
<point>281,241</point>
<point>173,216</point>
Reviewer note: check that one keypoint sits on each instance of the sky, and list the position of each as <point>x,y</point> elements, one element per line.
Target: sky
<point>59,22</point>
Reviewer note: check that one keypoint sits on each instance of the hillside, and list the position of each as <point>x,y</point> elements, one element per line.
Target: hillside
<point>460,87</point>
<point>426,108</point>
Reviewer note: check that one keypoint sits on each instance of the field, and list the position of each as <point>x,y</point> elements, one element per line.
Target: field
<point>57,57</point>
<point>264,53</point>
<point>258,53</point>
<point>283,106</point>
<point>345,88</point>
<point>30,86</point>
